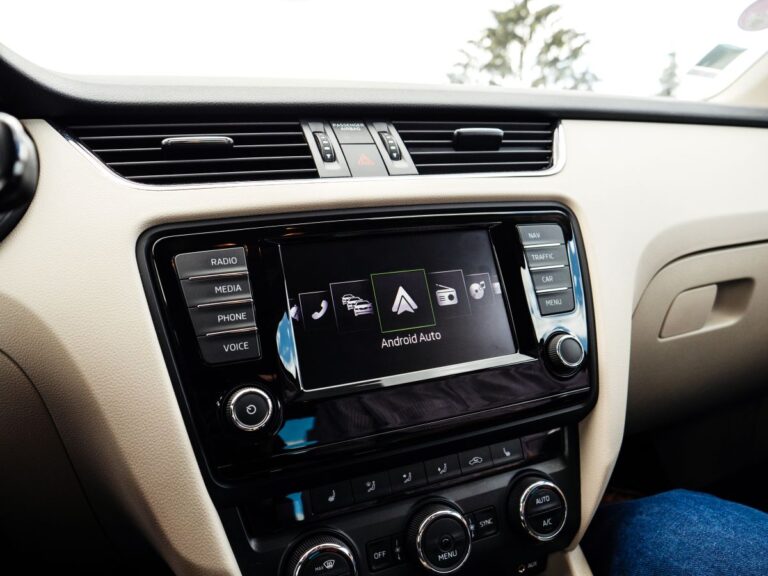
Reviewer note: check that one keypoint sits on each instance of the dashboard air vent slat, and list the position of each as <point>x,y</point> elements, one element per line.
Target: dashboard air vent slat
<point>258,151</point>
<point>525,147</point>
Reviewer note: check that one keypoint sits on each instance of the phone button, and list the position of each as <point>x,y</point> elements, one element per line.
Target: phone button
<point>445,468</point>
<point>317,311</point>
<point>331,497</point>
<point>507,452</point>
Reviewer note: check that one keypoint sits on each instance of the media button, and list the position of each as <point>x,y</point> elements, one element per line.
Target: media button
<point>480,289</point>
<point>402,300</point>
<point>407,477</point>
<point>331,497</point>
<point>316,311</point>
<point>474,460</point>
<point>449,293</point>
<point>216,289</point>
<point>353,304</point>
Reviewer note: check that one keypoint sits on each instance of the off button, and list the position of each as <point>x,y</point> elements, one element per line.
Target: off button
<point>230,347</point>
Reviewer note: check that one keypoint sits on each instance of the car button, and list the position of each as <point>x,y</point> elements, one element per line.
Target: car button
<point>210,262</point>
<point>556,302</point>
<point>506,452</point>
<point>370,487</point>
<point>474,460</point>
<point>380,554</point>
<point>216,289</point>
<point>551,279</point>
<point>222,317</point>
<point>532,234</point>
<point>331,497</point>
<point>486,522</point>
<point>407,477</point>
<point>439,469</point>
<point>230,346</point>
<point>550,256</point>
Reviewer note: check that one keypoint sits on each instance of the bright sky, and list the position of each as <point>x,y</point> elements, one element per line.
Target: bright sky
<point>393,40</point>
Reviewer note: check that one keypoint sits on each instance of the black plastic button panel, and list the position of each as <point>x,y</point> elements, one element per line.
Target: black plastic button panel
<point>325,146</point>
<point>378,485</point>
<point>381,554</point>
<point>218,294</point>
<point>391,145</point>
<point>549,267</point>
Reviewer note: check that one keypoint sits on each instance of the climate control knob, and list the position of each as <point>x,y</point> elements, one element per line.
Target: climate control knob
<point>538,507</point>
<point>439,538</point>
<point>250,409</point>
<point>321,555</point>
<point>564,353</point>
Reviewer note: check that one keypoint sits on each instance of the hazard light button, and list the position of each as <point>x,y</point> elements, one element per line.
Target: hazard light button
<point>364,160</point>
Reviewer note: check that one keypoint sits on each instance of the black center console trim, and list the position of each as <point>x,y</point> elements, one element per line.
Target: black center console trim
<point>268,492</point>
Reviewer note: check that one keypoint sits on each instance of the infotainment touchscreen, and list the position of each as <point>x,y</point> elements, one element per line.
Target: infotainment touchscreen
<point>397,308</point>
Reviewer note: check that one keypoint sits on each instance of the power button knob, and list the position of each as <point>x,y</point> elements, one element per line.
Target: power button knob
<point>250,409</point>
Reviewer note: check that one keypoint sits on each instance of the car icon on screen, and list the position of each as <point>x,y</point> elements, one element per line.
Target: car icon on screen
<point>363,307</point>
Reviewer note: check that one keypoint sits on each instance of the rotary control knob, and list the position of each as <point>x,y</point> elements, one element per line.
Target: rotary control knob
<point>18,172</point>
<point>538,507</point>
<point>439,538</point>
<point>250,409</point>
<point>564,353</point>
<point>321,555</point>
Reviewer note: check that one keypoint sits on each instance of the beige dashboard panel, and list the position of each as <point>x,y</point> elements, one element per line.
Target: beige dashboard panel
<point>718,356</point>
<point>74,316</point>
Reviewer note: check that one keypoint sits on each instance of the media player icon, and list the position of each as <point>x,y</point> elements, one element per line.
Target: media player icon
<point>403,302</point>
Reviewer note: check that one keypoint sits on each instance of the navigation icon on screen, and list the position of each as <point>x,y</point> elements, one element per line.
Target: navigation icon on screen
<point>403,302</point>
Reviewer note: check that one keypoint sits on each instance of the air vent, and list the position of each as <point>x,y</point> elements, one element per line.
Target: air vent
<point>192,153</point>
<point>467,147</point>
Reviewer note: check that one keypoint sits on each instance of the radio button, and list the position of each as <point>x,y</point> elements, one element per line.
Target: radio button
<point>556,302</point>
<point>366,488</point>
<point>230,347</point>
<point>474,460</point>
<point>439,469</point>
<point>407,477</point>
<point>216,289</point>
<point>222,317</point>
<point>551,279</point>
<point>541,257</point>
<point>210,262</point>
<point>331,497</point>
<point>532,234</point>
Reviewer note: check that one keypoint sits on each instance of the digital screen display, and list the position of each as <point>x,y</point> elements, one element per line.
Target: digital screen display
<point>395,308</point>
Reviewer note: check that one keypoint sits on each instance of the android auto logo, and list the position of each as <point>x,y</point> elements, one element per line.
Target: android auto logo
<point>403,302</point>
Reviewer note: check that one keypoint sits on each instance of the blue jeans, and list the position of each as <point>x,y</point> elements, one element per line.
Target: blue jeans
<point>678,533</point>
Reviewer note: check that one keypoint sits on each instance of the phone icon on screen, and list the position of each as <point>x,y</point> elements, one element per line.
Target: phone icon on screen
<point>323,309</point>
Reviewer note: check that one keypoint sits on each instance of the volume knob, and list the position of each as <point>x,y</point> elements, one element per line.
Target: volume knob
<point>565,353</point>
<point>250,409</point>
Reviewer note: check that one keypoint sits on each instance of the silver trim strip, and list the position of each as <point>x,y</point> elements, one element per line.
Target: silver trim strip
<point>524,501</point>
<point>423,528</point>
<point>183,141</point>
<point>555,267</point>
<point>233,415</point>
<point>558,156</point>
<point>552,290</point>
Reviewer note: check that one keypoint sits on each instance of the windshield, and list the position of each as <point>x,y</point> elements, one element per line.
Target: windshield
<point>680,48</point>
